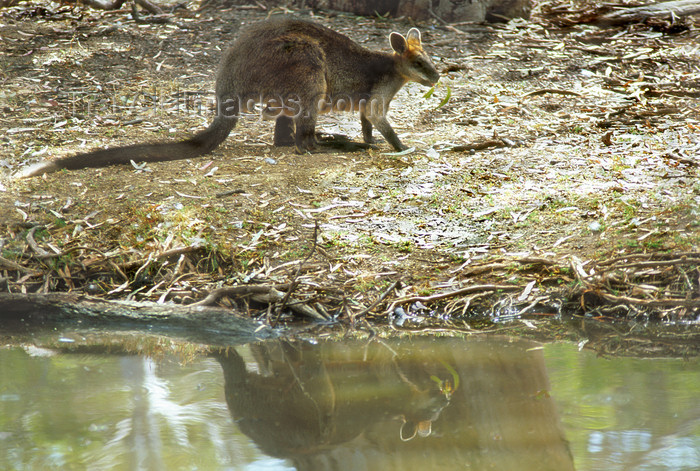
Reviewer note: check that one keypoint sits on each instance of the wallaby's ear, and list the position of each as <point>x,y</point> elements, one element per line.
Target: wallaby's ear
<point>398,43</point>
<point>413,37</point>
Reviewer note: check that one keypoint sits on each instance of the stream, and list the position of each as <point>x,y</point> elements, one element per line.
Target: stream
<point>413,403</point>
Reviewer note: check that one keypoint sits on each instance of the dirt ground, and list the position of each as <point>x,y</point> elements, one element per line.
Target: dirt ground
<point>585,166</point>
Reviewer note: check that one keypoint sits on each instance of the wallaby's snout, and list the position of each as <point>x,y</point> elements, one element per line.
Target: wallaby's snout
<point>430,78</point>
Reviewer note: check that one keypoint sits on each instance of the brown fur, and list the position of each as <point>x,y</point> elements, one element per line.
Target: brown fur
<point>295,70</point>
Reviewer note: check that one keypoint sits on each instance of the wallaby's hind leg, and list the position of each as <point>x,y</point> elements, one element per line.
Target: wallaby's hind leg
<point>284,132</point>
<point>305,134</point>
<point>341,142</point>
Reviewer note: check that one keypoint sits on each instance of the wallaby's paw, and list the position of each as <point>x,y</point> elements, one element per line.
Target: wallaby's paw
<point>326,137</point>
<point>304,150</point>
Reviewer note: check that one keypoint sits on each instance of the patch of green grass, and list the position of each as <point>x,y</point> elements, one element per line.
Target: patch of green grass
<point>41,234</point>
<point>653,244</point>
<point>365,285</point>
<point>629,210</point>
<point>366,239</point>
<point>298,253</point>
<point>425,291</point>
<point>405,246</point>
<point>625,244</point>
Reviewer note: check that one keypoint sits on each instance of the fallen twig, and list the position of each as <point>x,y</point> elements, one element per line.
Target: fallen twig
<point>294,283</point>
<point>654,263</point>
<point>665,10</point>
<point>378,300</point>
<point>544,91</point>
<point>268,294</point>
<point>487,144</point>
<point>667,302</point>
<point>450,294</point>
<point>41,253</point>
<point>241,290</point>
<point>168,253</point>
<point>10,265</point>
<point>635,256</point>
<point>298,306</point>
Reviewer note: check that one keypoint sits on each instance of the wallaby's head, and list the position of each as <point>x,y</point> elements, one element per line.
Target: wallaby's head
<point>415,65</point>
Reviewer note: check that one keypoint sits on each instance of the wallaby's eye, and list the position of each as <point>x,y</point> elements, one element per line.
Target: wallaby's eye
<point>421,65</point>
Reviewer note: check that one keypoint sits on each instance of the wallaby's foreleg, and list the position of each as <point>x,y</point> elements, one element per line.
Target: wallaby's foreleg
<point>284,132</point>
<point>366,129</point>
<point>387,131</point>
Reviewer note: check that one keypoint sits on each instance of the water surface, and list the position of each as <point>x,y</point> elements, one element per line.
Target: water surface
<point>408,404</point>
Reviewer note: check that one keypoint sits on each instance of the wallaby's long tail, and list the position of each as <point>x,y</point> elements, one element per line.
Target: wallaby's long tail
<point>201,143</point>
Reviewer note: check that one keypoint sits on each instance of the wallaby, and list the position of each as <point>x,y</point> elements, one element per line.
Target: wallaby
<point>294,70</point>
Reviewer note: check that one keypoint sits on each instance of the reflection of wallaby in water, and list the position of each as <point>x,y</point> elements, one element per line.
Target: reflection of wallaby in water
<point>302,400</point>
<point>296,70</point>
